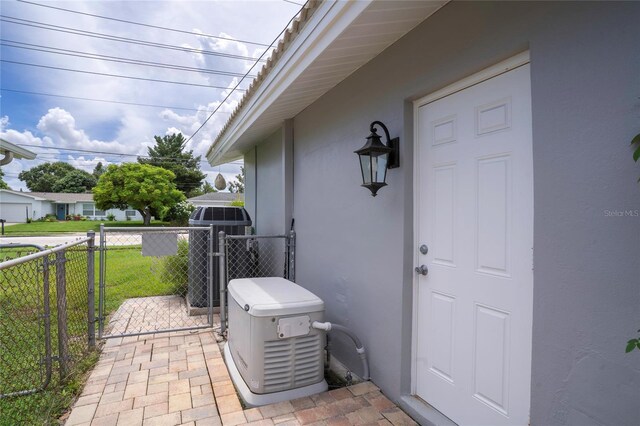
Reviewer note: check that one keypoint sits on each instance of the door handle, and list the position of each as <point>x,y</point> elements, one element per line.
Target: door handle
<point>422,270</point>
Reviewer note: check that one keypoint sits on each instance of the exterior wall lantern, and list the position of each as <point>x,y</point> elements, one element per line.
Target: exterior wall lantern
<point>376,157</point>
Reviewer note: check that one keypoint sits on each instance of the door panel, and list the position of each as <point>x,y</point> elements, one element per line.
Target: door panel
<point>475,213</point>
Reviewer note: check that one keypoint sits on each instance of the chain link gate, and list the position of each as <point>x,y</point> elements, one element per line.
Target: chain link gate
<point>155,280</point>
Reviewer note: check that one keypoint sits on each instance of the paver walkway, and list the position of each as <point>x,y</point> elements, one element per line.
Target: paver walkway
<point>181,379</point>
<point>156,313</point>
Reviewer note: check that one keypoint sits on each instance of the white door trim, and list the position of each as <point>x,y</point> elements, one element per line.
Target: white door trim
<point>487,73</point>
<point>490,72</point>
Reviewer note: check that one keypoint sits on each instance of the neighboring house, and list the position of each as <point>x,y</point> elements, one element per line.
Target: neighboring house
<point>216,199</point>
<point>514,121</point>
<point>10,151</point>
<point>16,206</point>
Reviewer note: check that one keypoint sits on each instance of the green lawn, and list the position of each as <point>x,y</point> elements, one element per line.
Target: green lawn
<point>22,338</point>
<point>71,226</point>
<point>129,274</point>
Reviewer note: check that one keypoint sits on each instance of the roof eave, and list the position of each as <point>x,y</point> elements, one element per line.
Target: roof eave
<point>18,152</point>
<point>324,26</point>
<point>332,42</point>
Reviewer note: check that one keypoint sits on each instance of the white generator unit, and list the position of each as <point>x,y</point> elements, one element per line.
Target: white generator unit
<point>272,352</point>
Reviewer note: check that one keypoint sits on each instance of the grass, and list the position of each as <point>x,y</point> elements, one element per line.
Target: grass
<point>22,331</point>
<point>71,226</point>
<point>129,274</point>
<point>44,408</point>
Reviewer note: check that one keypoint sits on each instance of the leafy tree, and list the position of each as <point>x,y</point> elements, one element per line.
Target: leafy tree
<point>76,181</point>
<point>98,170</point>
<point>3,184</point>
<point>42,178</point>
<point>204,189</point>
<point>169,154</point>
<point>238,184</point>
<point>145,188</point>
<point>208,188</point>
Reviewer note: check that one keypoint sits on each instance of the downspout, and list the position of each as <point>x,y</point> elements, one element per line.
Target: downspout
<point>8,157</point>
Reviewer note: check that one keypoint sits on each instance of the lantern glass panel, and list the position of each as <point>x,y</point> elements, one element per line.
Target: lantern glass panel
<point>380,167</point>
<point>365,163</point>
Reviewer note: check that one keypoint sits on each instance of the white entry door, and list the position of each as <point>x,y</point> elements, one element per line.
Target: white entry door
<point>474,198</point>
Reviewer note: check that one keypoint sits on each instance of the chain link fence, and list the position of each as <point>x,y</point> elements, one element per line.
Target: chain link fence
<point>151,280</point>
<point>46,324</point>
<point>254,256</point>
<point>155,280</point>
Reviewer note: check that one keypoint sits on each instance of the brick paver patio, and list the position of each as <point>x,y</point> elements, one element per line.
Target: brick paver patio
<point>180,379</point>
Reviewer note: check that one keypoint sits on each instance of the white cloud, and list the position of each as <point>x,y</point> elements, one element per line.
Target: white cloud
<point>4,123</point>
<point>86,164</point>
<point>76,124</point>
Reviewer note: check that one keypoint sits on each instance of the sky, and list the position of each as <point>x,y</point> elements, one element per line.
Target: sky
<point>60,128</point>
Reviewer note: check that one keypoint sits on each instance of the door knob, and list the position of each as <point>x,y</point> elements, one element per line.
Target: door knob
<point>422,269</point>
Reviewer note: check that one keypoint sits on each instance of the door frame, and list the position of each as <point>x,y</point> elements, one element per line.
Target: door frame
<point>505,66</point>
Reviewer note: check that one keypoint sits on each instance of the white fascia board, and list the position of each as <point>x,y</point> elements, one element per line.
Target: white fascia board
<point>325,25</point>
<point>18,152</point>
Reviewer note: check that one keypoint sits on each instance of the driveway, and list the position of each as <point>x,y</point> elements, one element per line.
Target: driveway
<point>51,241</point>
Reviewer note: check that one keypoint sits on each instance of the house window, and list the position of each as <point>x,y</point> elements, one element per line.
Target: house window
<point>130,213</point>
<point>87,209</point>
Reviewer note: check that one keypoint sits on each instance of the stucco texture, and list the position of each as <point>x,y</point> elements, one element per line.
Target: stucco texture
<point>356,252</point>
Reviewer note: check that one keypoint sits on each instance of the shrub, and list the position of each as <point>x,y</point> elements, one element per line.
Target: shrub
<point>111,217</point>
<point>175,269</point>
<point>179,214</point>
<point>237,202</point>
<point>29,220</point>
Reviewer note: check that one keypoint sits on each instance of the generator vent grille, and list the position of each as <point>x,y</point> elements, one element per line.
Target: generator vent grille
<point>292,363</point>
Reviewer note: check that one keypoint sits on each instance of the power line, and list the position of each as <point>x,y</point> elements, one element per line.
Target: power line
<point>96,56</point>
<point>84,33</point>
<point>119,76</point>
<point>149,25</point>
<point>286,1</point>
<point>118,154</point>
<point>242,79</point>
<point>105,100</point>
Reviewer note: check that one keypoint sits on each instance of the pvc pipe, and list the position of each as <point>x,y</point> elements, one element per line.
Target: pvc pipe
<point>327,326</point>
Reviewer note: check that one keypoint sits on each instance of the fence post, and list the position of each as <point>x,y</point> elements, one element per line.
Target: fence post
<point>210,276</point>
<point>101,278</point>
<point>91,284</point>
<point>223,283</point>
<point>292,256</point>
<point>61,303</point>
<point>47,321</point>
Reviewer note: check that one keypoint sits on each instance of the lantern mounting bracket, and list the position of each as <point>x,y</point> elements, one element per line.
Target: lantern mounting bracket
<point>394,144</point>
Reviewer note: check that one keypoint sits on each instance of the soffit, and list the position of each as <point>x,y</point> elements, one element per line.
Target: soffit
<point>336,39</point>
